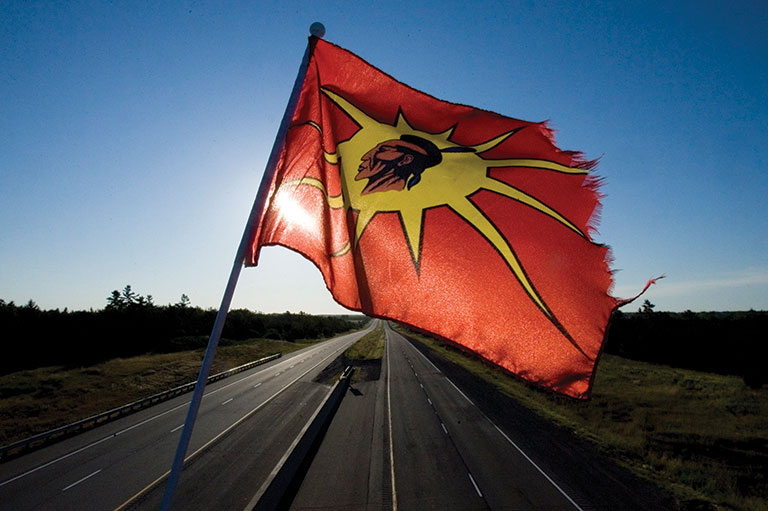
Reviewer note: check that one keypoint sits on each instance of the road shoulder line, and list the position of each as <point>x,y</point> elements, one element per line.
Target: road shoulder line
<point>506,437</point>
<point>157,481</point>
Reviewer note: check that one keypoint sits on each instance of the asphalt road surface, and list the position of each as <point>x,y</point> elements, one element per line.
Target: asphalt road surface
<point>408,436</point>
<point>244,425</point>
<point>448,454</point>
<point>444,453</point>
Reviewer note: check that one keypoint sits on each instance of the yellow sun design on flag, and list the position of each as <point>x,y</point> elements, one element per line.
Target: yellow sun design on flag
<point>460,173</point>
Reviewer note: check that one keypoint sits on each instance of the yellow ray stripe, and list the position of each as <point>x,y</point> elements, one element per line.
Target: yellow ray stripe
<point>334,201</point>
<point>520,196</point>
<point>412,226</point>
<point>519,162</point>
<point>478,220</point>
<point>331,158</point>
<point>357,115</point>
<point>475,218</point>
<point>486,146</point>
<point>536,164</point>
<point>363,218</point>
<point>343,251</point>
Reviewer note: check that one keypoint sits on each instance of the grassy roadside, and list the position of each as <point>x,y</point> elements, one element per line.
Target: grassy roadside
<point>702,437</point>
<point>369,347</point>
<point>38,400</point>
<point>365,356</point>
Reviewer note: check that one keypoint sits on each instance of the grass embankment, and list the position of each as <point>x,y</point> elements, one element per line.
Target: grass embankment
<point>701,436</point>
<point>369,347</point>
<point>37,400</point>
<point>365,356</point>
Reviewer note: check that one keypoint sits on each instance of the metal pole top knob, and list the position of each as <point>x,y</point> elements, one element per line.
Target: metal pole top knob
<point>317,29</point>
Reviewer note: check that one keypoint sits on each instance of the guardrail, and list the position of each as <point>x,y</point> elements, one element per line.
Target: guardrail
<point>274,491</point>
<point>60,433</point>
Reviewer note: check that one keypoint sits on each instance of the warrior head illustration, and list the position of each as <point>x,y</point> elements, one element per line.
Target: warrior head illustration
<point>397,164</point>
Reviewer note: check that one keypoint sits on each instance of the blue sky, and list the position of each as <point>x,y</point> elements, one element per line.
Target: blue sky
<point>133,135</point>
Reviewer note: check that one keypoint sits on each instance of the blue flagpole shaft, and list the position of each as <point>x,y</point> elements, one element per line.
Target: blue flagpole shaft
<point>218,325</point>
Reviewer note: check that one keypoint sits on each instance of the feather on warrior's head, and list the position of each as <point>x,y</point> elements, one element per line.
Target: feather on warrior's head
<point>397,164</point>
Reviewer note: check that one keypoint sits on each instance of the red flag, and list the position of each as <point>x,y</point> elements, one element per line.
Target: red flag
<point>457,221</point>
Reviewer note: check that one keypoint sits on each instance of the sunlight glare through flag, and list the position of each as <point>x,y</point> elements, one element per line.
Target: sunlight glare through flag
<point>457,221</point>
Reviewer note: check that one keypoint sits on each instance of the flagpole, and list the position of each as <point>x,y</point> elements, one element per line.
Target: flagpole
<point>317,30</point>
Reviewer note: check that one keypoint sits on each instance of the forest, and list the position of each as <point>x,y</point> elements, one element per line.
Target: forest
<point>715,342</point>
<point>131,324</point>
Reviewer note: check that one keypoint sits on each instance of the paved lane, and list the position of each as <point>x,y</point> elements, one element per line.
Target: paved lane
<point>227,474</point>
<point>445,452</point>
<point>480,454</point>
<point>104,467</point>
<point>351,471</point>
<point>429,471</point>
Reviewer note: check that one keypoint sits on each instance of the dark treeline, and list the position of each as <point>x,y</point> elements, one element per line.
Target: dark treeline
<point>718,342</point>
<point>132,324</point>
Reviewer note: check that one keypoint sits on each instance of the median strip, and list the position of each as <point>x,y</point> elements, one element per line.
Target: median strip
<point>160,479</point>
<point>273,491</point>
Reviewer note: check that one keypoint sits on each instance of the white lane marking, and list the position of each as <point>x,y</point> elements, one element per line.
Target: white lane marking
<point>420,385</point>
<point>227,430</point>
<point>438,370</point>
<point>275,366</point>
<point>475,485</point>
<point>553,483</point>
<point>391,438</point>
<point>54,461</point>
<point>534,464</point>
<point>424,357</point>
<point>208,393</point>
<point>174,430</point>
<point>81,480</point>
<point>430,402</point>
<point>443,425</point>
<point>459,391</point>
<point>257,385</point>
<point>228,400</point>
<point>281,363</point>
<point>182,405</point>
<point>150,419</point>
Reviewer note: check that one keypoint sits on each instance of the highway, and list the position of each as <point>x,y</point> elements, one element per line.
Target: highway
<point>406,436</point>
<point>445,453</point>
<point>109,466</point>
<point>448,454</point>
